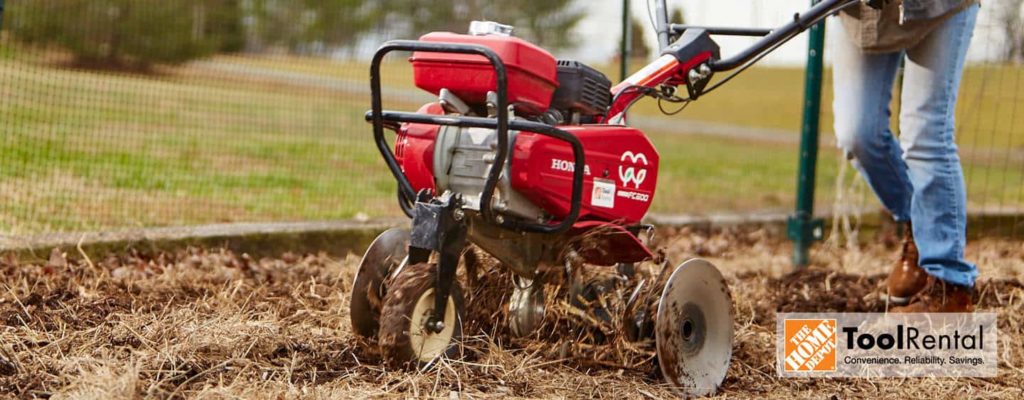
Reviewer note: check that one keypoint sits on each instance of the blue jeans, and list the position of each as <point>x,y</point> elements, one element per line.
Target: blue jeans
<point>917,177</point>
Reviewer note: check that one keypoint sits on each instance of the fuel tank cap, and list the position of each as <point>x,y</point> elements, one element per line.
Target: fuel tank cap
<point>482,28</point>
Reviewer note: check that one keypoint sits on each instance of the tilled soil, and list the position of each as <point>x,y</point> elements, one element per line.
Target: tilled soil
<point>209,323</point>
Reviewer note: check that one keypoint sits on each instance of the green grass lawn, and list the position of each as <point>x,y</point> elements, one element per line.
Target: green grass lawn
<point>86,150</point>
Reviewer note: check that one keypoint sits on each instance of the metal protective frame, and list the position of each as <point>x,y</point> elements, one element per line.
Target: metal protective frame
<point>501,124</point>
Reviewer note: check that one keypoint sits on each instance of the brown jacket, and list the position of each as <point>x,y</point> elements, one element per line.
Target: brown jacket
<point>899,25</point>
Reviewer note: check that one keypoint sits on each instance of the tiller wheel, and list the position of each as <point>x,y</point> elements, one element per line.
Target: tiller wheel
<point>383,257</point>
<point>405,335</point>
<point>693,328</point>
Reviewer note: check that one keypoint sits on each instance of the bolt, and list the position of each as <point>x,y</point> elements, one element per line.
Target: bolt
<point>694,76</point>
<point>705,71</point>
<point>438,326</point>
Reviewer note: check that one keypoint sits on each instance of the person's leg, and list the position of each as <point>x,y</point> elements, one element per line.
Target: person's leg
<point>862,85</point>
<point>938,207</point>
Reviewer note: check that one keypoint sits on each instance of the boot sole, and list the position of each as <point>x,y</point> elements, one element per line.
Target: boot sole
<point>894,300</point>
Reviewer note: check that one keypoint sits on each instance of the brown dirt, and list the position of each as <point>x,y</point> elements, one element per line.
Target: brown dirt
<point>210,323</point>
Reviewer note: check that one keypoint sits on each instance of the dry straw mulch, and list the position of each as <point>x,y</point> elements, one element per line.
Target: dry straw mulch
<point>207,323</point>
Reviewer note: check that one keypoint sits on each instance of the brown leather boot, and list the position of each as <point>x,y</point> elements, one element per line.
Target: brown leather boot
<point>907,278</point>
<point>940,297</point>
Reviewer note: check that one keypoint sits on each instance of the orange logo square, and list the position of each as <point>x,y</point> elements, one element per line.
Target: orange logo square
<point>810,345</point>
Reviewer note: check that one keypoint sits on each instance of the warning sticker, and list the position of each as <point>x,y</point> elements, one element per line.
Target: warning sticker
<point>603,194</point>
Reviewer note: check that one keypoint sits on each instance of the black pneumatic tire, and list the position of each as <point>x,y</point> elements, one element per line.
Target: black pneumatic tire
<point>397,313</point>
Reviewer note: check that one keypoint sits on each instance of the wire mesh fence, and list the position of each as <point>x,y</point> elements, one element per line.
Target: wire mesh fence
<point>99,138</point>
<point>143,113</point>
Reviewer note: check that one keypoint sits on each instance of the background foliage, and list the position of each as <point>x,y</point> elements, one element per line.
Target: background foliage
<point>140,33</point>
<point>134,33</point>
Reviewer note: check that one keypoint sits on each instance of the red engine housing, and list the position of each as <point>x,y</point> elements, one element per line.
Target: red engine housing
<point>618,185</point>
<point>532,72</point>
<point>414,150</point>
<point>618,182</point>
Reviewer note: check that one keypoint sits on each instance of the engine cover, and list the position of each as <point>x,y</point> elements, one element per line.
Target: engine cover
<point>462,160</point>
<point>532,71</point>
<point>414,150</point>
<point>618,183</point>
<point>581,89</point>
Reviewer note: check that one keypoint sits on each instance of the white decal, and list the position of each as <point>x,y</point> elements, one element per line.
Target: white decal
<point>633,174</point>
<point>567,166</point>
<point>635,196</point>
<point>603,194</point>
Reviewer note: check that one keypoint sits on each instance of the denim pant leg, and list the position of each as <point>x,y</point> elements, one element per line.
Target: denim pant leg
<point>862,84</point>
<point>931,81</point>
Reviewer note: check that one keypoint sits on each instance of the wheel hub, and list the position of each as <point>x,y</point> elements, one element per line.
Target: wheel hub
<point>692,328</point>
<point>526,307</point>
<point>427,343</point>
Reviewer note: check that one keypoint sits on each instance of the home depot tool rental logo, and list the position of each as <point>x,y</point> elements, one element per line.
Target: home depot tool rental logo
<point>830,345</point>
<point>810,345</point>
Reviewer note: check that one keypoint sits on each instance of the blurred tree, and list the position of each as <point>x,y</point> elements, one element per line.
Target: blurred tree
<point>139,33</point>
<point>639,48</point>
<point>125,33</point>
<point>548,23</point>
<point>309,26</point>
<point>421,16</point>
<point>225,23</point>
<point>677,16</point>
<point>1010,19</point>
<point>638,40</point>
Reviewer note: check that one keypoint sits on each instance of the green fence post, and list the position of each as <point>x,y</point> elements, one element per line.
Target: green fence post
<point>624,46</point>
<point>802,228</point>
